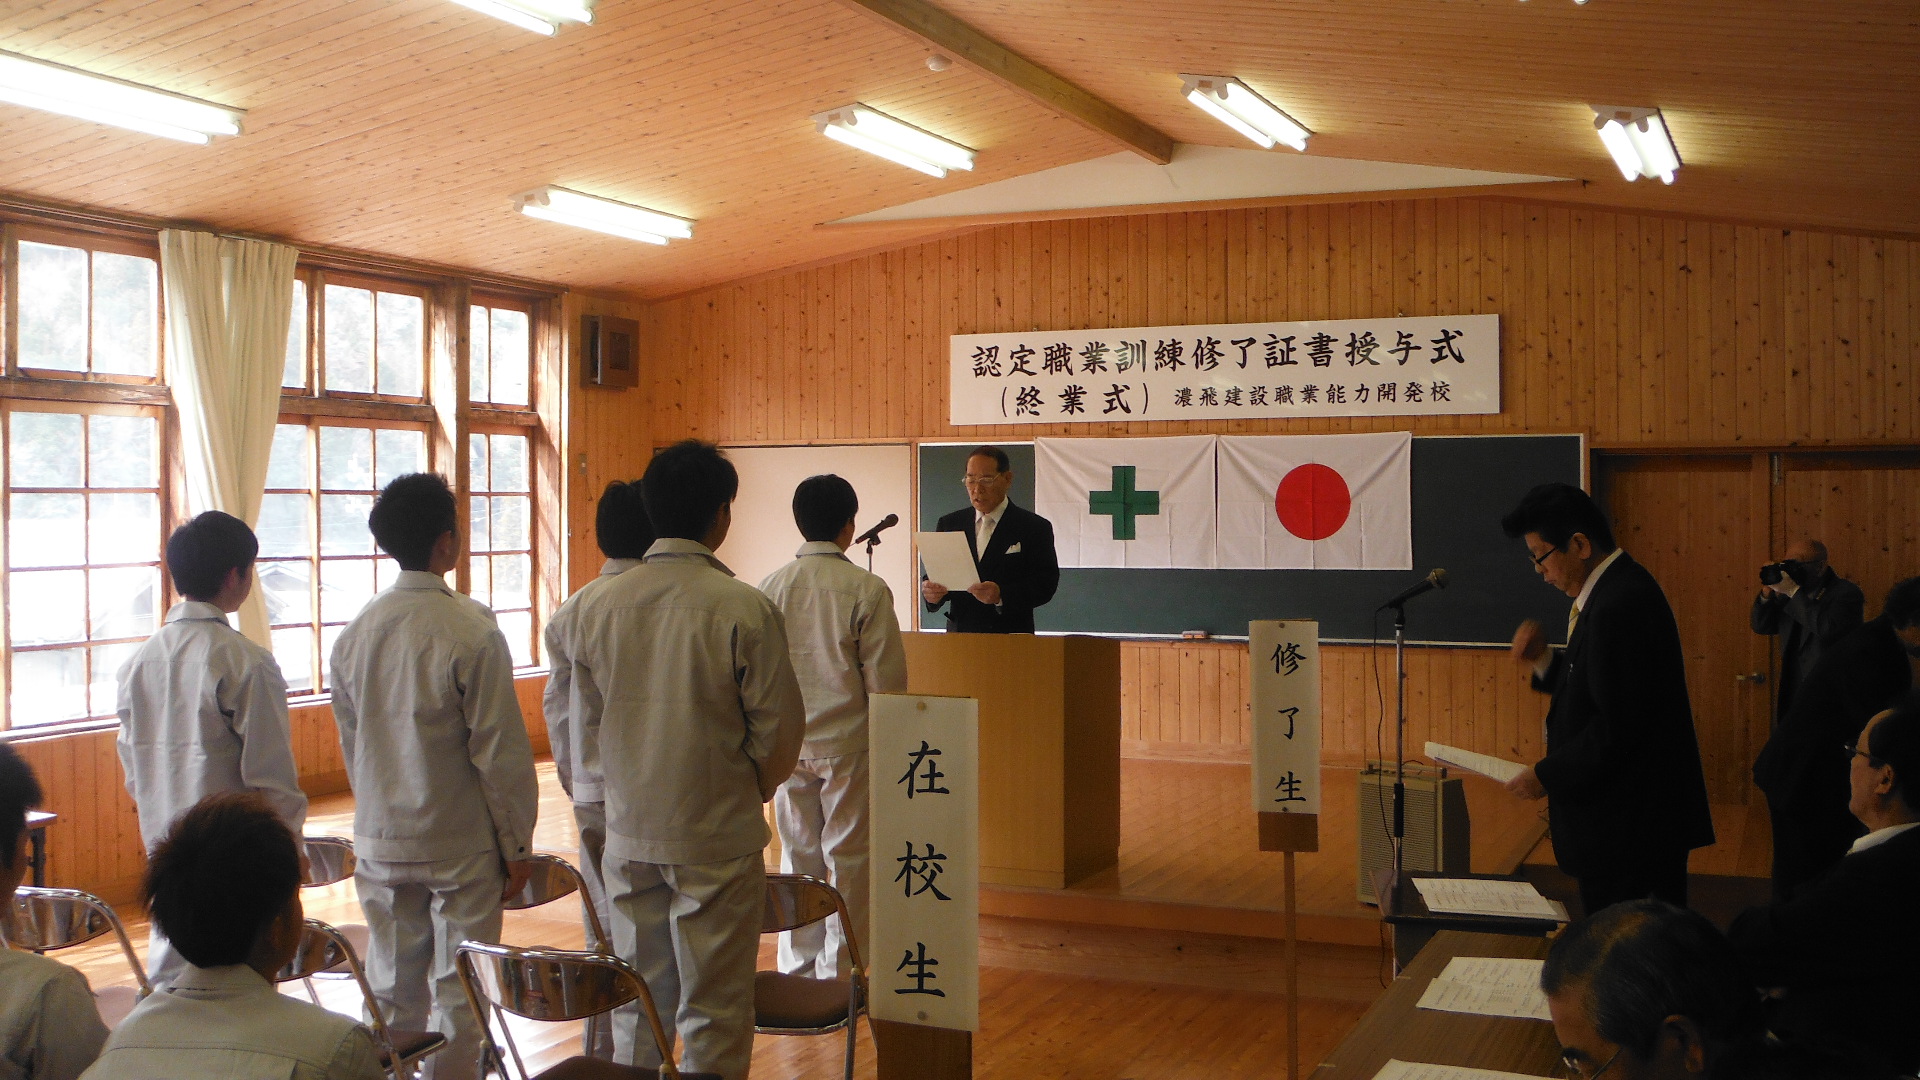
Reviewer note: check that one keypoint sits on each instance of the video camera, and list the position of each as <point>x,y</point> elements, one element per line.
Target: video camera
<point>1771,573</point>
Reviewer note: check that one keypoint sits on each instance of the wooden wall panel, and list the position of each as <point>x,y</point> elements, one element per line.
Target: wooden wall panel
<point>607,435</point>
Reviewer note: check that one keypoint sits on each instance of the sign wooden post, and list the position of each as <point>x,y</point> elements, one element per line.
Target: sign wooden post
<point>1285,694</point>
<point>924,959</point>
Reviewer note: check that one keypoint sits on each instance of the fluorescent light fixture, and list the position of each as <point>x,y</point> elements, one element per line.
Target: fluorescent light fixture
<point>68,91</point>
<point>539,16</point>
<point>869,129</point>
<point>1638,140</point>
<point>1230,102</point>
<point>602,215</point>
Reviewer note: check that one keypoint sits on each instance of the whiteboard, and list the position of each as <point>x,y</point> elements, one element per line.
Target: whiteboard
<point>764,537</point>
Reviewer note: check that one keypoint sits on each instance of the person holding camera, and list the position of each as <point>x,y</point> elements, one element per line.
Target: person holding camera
<point>1815,607</point>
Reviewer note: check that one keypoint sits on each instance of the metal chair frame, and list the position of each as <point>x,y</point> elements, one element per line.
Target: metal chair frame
<point>323,949</point>
<point>493,991</point>
<point>34,904</point>
<point>778,919</point>
<point>532,897</point>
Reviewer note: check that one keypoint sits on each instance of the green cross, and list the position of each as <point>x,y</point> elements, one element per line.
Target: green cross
<point>1123,502</point>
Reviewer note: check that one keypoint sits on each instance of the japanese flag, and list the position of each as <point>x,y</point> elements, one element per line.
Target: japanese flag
<point>1316,502</point>
<point>1128,502</point>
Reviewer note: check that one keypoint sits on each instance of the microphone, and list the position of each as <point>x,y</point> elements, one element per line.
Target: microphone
<point>1435,579</point>
<point>872,536</point>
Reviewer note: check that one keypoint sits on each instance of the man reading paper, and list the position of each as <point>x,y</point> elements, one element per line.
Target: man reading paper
<point>1012,547</point>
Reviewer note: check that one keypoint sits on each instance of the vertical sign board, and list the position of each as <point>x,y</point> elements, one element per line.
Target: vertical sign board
<point>924,762</point>
<point>1285,694</point>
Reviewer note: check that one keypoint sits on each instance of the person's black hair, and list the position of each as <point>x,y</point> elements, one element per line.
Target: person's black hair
<point>1895,741</point>
<point>201,552</point>
<point>1556,512</point>
<point>1001,461</point>
<point>1639,962</point>
<point>620,523</point>
<point>220,877</point>
<point>686,486</point>
<point>1902,607</point>
<point>411,514</point>
<point>19,793</point>
<point>822,506</point>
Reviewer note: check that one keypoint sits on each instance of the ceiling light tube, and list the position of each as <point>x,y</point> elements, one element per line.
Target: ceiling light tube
<point>602,215</point>
<point>1231,102</point>
<point>69,91</point>
<point>539,16</point>
<point>1639,141</point>
<point>869,129</point>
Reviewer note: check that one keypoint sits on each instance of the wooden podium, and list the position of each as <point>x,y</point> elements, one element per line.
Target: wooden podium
<point>1049,748</point>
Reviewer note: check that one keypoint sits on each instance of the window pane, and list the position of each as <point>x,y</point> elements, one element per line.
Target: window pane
<point>123,528</point>
<point>518,628</point>
<point>287,465</point>
<point>480,536</point>
<point>121,601</point>
<point>511,577</point>
<point>328,635</point>
<point>510,529</point>
<point>47,530</point>
<point>49,687</point>
<point>477,479</point>
<point>345,587</point>
<point>46,606</point>
<point>293,648</point>
<point>53,307</point>
<point>397,452</point>
<point>511,357</point>
<point>481,588</point>
<point>283,528</point>
<point>44,449</point>
<point>477,350</point>
<point>346,458</point>
<point>120,452</point>
<point>509,462</point>
<point>385,570</point>
<point>126,322</point>
<point>295,371</point>
<point>402,345</point>
<point>287,586</point>
<point>105,686</point>
<point>349,357</point>
<point>343,525</point>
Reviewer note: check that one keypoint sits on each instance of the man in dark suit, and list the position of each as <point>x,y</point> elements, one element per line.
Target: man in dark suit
<point>1811,608</point>
<point>1843,953</point>
<point>1627,799</point>
<point>1804,780</point>
<point>1013,549</point>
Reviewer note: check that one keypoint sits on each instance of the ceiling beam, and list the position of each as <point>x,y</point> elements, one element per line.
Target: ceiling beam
<point>951,37</point>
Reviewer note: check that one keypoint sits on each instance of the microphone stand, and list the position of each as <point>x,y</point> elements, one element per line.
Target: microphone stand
<point>871,544</point>
<point>1399,745</point>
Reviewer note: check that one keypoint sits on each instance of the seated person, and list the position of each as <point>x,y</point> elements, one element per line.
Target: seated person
<point>1842,954</point>
<point>49,1027</point>
<point>224,886</point>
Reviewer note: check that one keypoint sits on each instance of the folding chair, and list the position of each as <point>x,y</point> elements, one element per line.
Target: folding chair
<point>551,879</point>
<point>797,1005</point>
<point>553,985</point>
<point>324,949</point>
<point>48,919</point>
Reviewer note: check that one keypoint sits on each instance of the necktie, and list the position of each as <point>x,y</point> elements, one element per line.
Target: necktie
<point>982,529</point>
<point>1573,617</point>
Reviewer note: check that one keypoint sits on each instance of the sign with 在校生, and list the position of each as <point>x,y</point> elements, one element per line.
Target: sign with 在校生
<point>1285,696</point>
<point>1426,365</point>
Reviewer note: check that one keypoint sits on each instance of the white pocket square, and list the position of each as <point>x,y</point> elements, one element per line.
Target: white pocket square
<point>1014,550</point>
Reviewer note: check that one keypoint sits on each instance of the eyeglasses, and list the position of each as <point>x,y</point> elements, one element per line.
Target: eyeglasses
<point>1542,557</point>
<point>1575,1063</point>
<point>1854,750</point>
<point>980,481</point>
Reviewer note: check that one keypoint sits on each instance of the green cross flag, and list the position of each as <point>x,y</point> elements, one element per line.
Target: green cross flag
<point>1123,502</point>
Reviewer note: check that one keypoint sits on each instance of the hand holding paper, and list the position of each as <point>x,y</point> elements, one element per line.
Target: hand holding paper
<point>947,559</point>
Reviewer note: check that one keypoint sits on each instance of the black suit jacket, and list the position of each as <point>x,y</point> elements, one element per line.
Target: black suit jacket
<point>1622,770</point>
<point>1027,577</point>
<point>1845,950</point>
<point>1814,619</point>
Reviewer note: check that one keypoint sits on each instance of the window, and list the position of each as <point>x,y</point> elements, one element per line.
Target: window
<point>500,354</point>
<point>372,341</point>
<point>91,311</point>
<point>501,539</point>
<point>83,556</point>
<point>294,375</point>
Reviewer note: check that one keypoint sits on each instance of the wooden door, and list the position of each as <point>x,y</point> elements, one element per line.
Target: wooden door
<point>1864,506</point>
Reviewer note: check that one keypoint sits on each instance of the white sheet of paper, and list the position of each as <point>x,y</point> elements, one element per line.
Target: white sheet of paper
<point>948,560</point>
<point>1475,896</point>
<point>1496,768</point>
<point>1414,1070</point>
<point>1489,986</point>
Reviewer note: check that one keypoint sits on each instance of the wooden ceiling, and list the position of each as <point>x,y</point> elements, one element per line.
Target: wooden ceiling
<point>401,127</point>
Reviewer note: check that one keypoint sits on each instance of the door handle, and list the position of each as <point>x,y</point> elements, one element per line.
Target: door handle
<point>1754,677</point>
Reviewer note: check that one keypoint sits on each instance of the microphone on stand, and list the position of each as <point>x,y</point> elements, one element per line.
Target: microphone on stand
<point>872,536</point>
<point>1435,579</point>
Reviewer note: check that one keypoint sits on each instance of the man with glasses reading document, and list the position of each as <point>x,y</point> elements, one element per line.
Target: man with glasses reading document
<point>1012,549</point>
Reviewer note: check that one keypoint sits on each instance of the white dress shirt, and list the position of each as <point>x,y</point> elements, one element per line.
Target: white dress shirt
<point>435,746</point>
<point>984,524</point>
<point>1879,836</point>
<point>50,1028</point>
<point>230,1023</point>
<point>682,676</point>
<point>204,711</point>
<point>845,642</point>
<point>575,758</point>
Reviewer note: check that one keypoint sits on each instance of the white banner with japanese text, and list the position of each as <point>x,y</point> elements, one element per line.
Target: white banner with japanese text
<point>1417,366</point>
<point>1285,697</point>
<point>924,757</point>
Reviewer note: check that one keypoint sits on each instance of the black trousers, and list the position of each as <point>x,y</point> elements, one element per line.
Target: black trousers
<point>1658,874</point>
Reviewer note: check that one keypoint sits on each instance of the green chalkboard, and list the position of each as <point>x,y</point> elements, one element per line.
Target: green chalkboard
<point>1461,488</point>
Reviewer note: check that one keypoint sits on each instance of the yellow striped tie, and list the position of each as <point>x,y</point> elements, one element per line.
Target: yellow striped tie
<point>1573,617</point>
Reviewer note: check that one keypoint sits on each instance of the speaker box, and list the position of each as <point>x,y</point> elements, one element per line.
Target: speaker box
<point>1439,836</point>
<point>609,351</point>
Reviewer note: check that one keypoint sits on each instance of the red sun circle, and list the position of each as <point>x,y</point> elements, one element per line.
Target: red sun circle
<point>1313,502</point>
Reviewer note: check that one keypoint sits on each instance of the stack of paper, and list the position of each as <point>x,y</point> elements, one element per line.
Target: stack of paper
<point>1413,1070</point>
<point>1477,896</point>
<point>1489,986</point>
<point>1497,768</point>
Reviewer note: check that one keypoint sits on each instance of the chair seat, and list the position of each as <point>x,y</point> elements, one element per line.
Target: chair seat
<point>586,1068</point>
<point>795,1001</point>
<point>411,1045</point>
<point>114,1003</point>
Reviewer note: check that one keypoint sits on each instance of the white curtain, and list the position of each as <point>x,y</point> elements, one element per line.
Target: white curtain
<point>228,303</point>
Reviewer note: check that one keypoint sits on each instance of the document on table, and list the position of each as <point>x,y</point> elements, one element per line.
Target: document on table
<point>1414,1070</point>
<point>1478,896</point>
<point>1485,764</point>
<point>948,560</point>
<point>1489,986</point>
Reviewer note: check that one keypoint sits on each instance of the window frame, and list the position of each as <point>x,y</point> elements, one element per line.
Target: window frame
<point>314,362</point>
<point>532,551</point>
<point>531,309</point>
<point>90,242</point>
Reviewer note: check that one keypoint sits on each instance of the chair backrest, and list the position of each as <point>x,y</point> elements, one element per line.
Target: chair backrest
<point>554,985</point>
<point>553,878</point>
<point>48,919</point>
<point>329,860</point>
<point>796,900</point>
<point>323,948</point>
